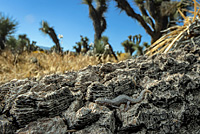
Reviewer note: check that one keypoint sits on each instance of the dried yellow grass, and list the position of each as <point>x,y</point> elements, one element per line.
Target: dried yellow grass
<point>20,66</point>
<point>167,41</point>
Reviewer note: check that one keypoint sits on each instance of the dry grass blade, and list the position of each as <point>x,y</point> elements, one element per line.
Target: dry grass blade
<point>184,17</point>
<point>169,29</point>
<point>195,11</point>
<point>189,11</point>
<point>156,47</point>
<point>172,43</point>
<point>157,42</point>
<point>162,49</point>
<point>175,33</point>
<point>164,40</point>
<point>198,11</point>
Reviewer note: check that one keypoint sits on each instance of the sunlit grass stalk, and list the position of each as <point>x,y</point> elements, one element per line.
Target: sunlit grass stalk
<point>167,41</point>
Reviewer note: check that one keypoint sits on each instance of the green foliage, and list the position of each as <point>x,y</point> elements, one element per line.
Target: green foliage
<point>102,46</point>
<point>12,43</point>
<point>7,27</point>
<point>128,46</point>
<point>133,45</point>
<point>104,39</point>
<point>45,27</point>
<point>99,45</point>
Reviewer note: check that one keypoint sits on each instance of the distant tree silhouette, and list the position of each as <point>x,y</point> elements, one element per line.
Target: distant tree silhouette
<point>133,45</point>
<point>23,41</point>
<point>78,47</point>
<point>82,46</point>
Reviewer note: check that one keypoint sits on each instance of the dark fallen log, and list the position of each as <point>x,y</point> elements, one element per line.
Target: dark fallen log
<point>66,102</point>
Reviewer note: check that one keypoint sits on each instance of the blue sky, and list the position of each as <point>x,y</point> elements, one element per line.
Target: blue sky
<point>71,19</point>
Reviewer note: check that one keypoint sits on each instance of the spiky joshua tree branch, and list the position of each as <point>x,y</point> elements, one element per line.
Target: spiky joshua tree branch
<point>46,29</point>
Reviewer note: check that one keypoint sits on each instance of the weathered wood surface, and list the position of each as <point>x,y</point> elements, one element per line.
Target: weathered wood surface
<point>65,103</point>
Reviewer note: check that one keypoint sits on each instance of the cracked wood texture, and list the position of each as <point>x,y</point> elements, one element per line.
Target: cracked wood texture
<point>64,103</point>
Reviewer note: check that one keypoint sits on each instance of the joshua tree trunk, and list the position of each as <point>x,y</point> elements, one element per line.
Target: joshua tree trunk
<point>2,44</point>
<point>96,14</point>
<point>46,29</point>
<point>53,36</point>
<point>99,27</point>
<point>155,15</point>
<point>113,53</point>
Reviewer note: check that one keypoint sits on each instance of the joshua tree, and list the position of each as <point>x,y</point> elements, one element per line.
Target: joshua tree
<point>46,29</point>
<point>97,16</point>
<point>84,43</point>
<point>7,27</point>
<point>32,46</point>
<point>136,46</point>
<point>23,41</point>
<point>78,47</point>
<point>155,16</point>
<point>82,46</point>
<point>128,45</point>
<point>103,46</point>
<point>12,43</point>
<point>20,44</point>
<point>133,44</point>
<point>99,22</point>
